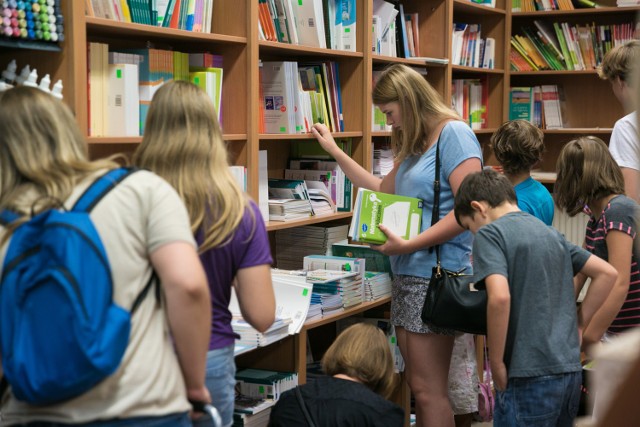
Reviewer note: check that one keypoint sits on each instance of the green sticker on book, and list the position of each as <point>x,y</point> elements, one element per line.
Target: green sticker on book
<point>305,292</point>
<point>118,73</point>
<point>261,388</point>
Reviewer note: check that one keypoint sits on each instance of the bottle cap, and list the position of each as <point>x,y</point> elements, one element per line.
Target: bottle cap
<point>57,89</point>
<point>31,80</point>
<point>45,82</point>
<point>9,75</point>
<point>24,74</point>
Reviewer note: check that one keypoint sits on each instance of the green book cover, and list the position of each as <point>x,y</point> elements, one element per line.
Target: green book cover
<point>373,260</point>
<point>520,103</point>
<point>401,214</point>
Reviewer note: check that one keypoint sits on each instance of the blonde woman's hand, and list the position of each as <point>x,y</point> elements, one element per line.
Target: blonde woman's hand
<point>395,245</point>
<point>323,135</point>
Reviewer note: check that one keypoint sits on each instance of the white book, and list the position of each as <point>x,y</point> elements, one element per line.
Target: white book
<point>123,102</point>
<point>278,100</point>
<point>291,21</point>
<point>263,185</point>
<point>551,107</point>
<point>310,23</point>
<point>488,59</point>
<point>347,12</point>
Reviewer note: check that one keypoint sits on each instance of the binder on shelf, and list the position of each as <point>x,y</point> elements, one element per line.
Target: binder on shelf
<point>123,102</point>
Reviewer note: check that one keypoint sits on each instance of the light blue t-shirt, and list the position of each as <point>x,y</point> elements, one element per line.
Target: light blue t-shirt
<point>534,198</point>
<point>415,178</point>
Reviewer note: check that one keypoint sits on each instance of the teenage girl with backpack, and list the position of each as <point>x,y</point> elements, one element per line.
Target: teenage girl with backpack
<point>143,227</point>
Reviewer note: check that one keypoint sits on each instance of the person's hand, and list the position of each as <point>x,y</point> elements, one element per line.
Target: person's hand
<point>499,375</point>
<point>395,245</point>
<point>199,394</point>
<point>323,135</point>
<point>589,341</point>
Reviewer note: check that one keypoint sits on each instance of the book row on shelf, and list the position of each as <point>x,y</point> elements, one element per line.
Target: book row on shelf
<point>547,5</point>
<point>469,49</point>
<point>122,84</point>
<point>189,15</point>
<point>562,46</point>
<point>328,24</point>
<point>540,105</point>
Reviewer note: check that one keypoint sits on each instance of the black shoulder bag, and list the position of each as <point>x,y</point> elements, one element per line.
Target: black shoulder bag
<point>453,300</point>
<point>303,406</point>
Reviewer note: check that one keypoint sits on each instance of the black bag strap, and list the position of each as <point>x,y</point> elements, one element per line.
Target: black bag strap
<point>435,212</point>
<point>303,406</point>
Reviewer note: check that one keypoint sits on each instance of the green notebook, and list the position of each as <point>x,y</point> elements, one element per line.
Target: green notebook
<point>401,214</point>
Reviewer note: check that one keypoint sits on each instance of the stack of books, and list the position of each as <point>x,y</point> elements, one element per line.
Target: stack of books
<point>376,285</point>
<point>264,384</point>
<point>382,161</point>
<point>250,337</point>
<point>293,244</point>
<point>288,200</point>
<point>348,285</point>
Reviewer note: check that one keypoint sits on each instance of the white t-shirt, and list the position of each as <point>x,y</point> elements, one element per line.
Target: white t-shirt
<point>625,142</point>
<point>134,219</point>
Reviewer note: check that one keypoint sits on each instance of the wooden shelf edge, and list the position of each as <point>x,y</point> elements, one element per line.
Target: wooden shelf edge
<point>301,49</point>
<point>587,11</point>
<point>554,72</point>
<point>275,136</point>
<point>126,28</point>
<point>138,139</point>
<point>469,6</point>
<point>416,61</point>
<point>346,313</point>
<point>281,225</point>
<point>465,69</point>
<point>599,131</point>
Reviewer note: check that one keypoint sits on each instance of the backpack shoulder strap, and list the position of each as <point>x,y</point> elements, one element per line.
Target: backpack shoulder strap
<point>7,216</point>
<point>100,187</point>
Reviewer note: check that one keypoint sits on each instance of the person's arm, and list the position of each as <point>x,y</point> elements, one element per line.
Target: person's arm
<point>359,176</point>
<point>631,184</point>
<point>443,231</point>
<point>188,309</point>
<point>255,296</point>
<point>603,276</point>
<point>619,246</point>
<point>498,309</point>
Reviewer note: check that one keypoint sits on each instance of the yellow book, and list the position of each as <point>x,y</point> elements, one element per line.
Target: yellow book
<point>523,53</point>
<point>125,11</point>
<point>532,52</point>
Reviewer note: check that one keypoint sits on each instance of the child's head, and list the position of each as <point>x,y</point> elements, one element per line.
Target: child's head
<point>417,100</point>
<point>586,172</point>
<point>486,187</point>
<point>518,146</point>
<point>41,148</point>
<point>618,67</point>
<point>183,144</point>
<point>362,352</point>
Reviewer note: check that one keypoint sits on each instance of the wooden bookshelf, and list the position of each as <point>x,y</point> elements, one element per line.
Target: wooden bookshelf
<point>591,107</point>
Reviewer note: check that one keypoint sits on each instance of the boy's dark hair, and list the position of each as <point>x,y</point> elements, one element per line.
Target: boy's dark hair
<point>518,146</point>
<point>485,186</point>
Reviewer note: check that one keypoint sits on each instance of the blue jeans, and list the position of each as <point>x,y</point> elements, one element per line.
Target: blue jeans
<point>173,420</point>
<point>547,401</point>
<point>221,382</point>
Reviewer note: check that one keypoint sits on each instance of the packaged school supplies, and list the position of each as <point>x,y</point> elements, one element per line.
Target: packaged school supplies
<point>401,214</point>
<point>60,331</point>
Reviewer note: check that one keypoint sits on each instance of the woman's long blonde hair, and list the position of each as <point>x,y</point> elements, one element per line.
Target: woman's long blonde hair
<point>183,144</point>
<point>43,154</point>
<point>362,352</point>
<point>418,101</point>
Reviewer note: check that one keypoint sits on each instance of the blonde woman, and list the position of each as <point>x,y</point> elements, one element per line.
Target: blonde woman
<point>359,369</point>
<point>143,226</point>
<point>183,144</point>
<point>419,119</point>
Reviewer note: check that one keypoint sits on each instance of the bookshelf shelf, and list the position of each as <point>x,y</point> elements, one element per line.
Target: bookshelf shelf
<point>138,139</point>
<point>298,50</point>
<point>346,313</point>
<point>382,59</point>
<point>109,28</point>
<point>585,131</point>
<point>294,136</point>
<point>11,43</point>
<point>577,12</point>
<point>554,73</point>
<point>381,133</point>
<point>487,131</point>
<point>468,6</point>
<point>281,225</point>
<point>476,70</point>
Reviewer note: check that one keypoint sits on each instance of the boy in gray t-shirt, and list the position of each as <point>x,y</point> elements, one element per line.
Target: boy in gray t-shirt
<point>533,326</point>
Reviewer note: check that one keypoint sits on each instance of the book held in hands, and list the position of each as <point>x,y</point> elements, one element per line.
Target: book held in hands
<point>400,214</point>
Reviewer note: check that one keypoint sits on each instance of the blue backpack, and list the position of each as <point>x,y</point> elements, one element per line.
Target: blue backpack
<point>60,331</point>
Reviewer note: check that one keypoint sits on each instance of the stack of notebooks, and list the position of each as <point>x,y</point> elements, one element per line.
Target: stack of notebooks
<point>377,285</point>
<point>346,285</point>
<point>250,337</point>
<point>293,244</point>
<point>382,161</point>
<point>288,200</point>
